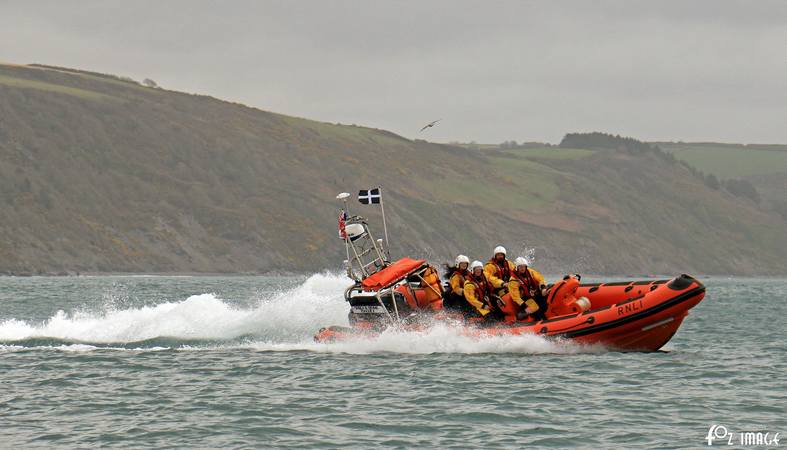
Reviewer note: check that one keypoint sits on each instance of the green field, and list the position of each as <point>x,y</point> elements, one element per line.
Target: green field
<point>43,86</point>
<point>516,184</point>
<point>731,161</point>
<point>552,152</point>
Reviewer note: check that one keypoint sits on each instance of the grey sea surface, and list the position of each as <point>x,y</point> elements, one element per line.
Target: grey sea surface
<point>229,362</point>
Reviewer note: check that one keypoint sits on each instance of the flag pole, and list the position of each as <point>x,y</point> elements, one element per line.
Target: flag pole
<point>385,227</point>
<point>346,210</point>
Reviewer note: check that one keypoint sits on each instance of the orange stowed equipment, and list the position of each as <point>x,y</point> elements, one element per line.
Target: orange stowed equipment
<point>562,298</point>
<point>391,274</point>
<point>428,294</point>
<point>509,308</point>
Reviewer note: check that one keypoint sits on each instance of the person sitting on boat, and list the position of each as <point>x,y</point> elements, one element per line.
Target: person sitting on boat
<point>477,292</point>
<point>433,291</point>
<point>498,270</point>
<point>528,289</point>
<point>456,274</point>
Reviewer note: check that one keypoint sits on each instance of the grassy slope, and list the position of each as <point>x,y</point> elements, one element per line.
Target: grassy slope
<point>765,166</point>
<point>732,160</point>
<point>98,174</point>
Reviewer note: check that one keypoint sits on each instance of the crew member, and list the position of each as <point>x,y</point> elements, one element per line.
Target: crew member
<point>433,291</point>
<point>477,291</point>
<point>498,270</point>
<point>456,274</point>
<point>528,289</point>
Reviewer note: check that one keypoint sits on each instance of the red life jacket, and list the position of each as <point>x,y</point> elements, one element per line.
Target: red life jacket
<point>526,284</point>
<point>482,286</point>
<point>504,271</point>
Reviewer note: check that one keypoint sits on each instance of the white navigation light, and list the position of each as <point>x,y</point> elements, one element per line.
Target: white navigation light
<point>354,230</point>
<point>343,195</point>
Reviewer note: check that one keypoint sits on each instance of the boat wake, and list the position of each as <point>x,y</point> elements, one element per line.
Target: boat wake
<point>284,321</point>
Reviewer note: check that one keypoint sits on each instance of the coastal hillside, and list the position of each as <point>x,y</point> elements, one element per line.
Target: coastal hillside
<point>763,166</point>
<point>102,174</point>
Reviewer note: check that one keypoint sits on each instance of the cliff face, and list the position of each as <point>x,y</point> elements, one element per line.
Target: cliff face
<point>99,174</point>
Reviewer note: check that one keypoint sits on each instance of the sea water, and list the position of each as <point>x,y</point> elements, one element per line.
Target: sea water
<point>230,362</point>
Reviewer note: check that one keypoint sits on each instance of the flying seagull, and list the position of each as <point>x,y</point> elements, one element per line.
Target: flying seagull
<point>430,124</point>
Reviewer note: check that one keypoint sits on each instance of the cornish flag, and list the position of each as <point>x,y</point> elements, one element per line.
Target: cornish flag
<point>369,196</point>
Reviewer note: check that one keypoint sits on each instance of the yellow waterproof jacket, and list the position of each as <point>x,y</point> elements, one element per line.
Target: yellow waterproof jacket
<point>457,282</point>
<point>431,283</point>
<point>517,289</point>
<point>497,277</point>
<point>431,278</point>
<point>474,295</point>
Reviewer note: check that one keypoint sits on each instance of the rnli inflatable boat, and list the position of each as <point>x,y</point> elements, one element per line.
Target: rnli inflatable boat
<point>407,295</point>
<point>627,315</point>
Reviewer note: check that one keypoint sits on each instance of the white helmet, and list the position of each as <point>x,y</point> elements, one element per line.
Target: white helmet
<point>476,265</point>
<point>499,249</point>
<point>521,261</point>
<point>462,259</point>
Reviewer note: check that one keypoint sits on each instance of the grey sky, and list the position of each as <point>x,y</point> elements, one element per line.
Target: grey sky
<point>493,71</point>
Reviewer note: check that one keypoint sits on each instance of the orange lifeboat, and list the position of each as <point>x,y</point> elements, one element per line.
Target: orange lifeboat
<point>407,295</point>
<point>628,315</point>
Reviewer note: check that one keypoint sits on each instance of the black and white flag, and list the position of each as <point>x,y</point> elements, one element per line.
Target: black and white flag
<point>369,196</point>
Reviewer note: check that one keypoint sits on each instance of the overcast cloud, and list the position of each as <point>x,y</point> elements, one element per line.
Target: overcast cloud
<point>493,71</point>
